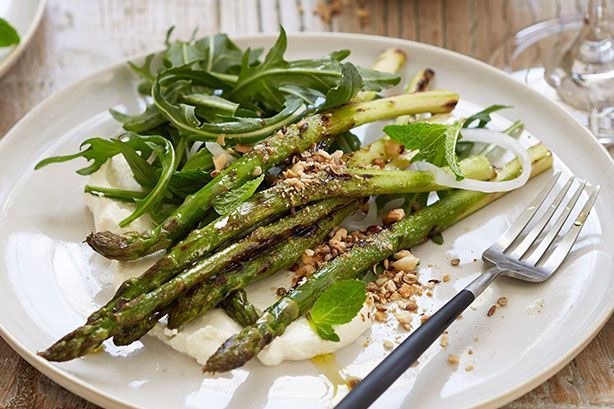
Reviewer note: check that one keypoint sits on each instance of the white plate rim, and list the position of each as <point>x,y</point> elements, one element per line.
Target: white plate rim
<point>14,55</point>
<point>93,394</point>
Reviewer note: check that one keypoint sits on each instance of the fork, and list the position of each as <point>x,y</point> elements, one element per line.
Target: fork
<point>517,253</point>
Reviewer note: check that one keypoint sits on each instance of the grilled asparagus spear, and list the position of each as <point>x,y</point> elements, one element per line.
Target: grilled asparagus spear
<point>267,153</point>
<point>413,230</point>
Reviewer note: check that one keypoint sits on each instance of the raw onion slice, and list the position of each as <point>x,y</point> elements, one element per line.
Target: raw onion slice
<point>488,136</point>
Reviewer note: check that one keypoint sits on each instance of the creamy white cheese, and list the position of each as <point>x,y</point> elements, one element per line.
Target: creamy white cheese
<point>201,338</point>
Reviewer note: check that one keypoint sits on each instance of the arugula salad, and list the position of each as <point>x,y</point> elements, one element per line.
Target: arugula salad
<point>8,34</point>
<point>244,172</point>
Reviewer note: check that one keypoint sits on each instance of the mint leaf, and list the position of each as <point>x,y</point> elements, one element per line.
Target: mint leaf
<point>223,204</point>
<point>336,306</point>
<point>483,116</point>
<point>435,143</point>
<point>8,34</point>
<point>324,331</point>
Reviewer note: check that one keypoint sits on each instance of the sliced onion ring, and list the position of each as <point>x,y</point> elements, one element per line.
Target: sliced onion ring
<point>488,136</point>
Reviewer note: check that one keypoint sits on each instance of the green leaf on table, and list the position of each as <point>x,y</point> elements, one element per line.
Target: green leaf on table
<point>483,117</point>
<point>435,143</point>
<point>336,306</point>
<point>223,204</point>
<point>8,34</point>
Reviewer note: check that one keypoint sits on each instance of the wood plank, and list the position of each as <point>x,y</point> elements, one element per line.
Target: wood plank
<point>410,22</point>
<point>460,25</point>
<point>431,24</point>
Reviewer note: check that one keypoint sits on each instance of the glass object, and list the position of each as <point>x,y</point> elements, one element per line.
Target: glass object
<point>569,59</point>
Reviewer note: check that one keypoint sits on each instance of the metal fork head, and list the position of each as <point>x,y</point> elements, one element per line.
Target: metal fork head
<point>523,251</point>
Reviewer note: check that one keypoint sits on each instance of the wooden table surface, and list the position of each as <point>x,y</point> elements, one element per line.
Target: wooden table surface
<point>77,38</point>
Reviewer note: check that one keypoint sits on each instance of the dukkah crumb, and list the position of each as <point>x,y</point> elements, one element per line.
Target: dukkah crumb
<point>455,261</point>
<point>469,368</point>
<point>470,351</point>
<point>445,278</point>
<point>444,340</point>
<point>491,310</point>
<point>353,382</point>
<point>424,318</point>
<point>388,344</point>
<point>453,359</point>
<point>393,216</point>
<point>502,301</point>
<point>281,291</point>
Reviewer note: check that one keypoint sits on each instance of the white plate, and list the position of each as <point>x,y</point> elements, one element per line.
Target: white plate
<point>24,15</point>
<point>49,280</point>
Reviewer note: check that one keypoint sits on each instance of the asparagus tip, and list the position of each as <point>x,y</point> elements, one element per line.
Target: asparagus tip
<point>109,244</point>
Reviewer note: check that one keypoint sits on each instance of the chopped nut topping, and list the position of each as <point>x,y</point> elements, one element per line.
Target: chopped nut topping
<point>455,261</point>
<point>502,301</point>
<point>491,310</point>
<point>381,316</point>
<point>443,340</point>
<point>445,278</point>
<point>242,148</point>
<point>424,318</point>
<point>469,368</point>
<point>393,216</point>
<point>453,359</point>
<point>388,344</point>
<point>281,291</point>
<point>407,263</point>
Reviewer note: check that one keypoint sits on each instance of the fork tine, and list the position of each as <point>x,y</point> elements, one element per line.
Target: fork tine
<point>529,239</point>
<point>543,246</point>
<point>508,237</point>
<point>564,246</point>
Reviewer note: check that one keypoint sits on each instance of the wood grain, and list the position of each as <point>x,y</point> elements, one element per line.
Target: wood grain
<point>77,38</point>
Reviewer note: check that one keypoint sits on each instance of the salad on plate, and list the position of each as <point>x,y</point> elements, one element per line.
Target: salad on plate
<point>248,221</point>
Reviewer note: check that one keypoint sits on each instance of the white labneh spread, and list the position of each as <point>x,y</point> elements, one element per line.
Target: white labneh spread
<point>201,338</point>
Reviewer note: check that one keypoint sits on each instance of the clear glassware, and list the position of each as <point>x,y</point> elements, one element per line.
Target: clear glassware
<point>570,59</point>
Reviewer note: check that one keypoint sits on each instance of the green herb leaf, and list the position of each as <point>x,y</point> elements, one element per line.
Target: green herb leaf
<point>436,143</point>
<point>437,238</point>
<point>324,331</point>
<point>483,116</point>
<point>144,71</point>
<point>336,306</point>
<point>223,204</point>
<point>146,121</point>
<point>349,85</point>
<point>8,34</point>
<point>346,142</point>
<point>165,153</point>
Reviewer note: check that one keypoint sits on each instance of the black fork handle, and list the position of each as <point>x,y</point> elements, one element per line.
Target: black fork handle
<point>408,352</point>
